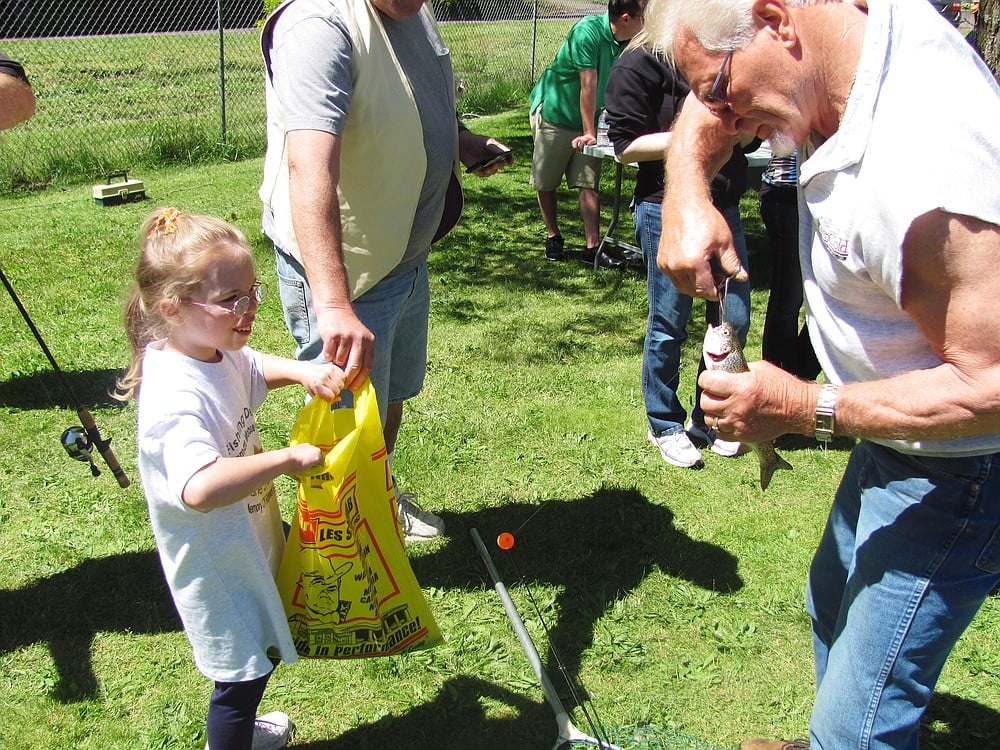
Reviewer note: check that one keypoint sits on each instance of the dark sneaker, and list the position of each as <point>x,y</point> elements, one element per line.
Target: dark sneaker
<point>554,248</point>
<point>603,260</point>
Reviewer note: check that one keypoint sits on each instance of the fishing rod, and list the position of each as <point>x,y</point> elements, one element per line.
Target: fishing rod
<point>77,441</point>
<point>568,733</point>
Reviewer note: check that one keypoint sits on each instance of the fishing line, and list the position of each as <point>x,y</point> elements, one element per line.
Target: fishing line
<point>568,733</point>
<point>584,704</point>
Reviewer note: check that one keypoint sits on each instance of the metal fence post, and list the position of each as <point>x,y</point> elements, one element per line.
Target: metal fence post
<point>534,37</point>
<point>222,72</point>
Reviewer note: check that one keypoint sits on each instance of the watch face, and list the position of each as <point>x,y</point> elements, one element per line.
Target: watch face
<point>824,421</point>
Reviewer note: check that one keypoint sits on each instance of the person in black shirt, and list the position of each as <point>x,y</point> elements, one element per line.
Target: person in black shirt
<point>642,99</point>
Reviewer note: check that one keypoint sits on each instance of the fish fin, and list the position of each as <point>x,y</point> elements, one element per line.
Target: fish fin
<point>767,470</point>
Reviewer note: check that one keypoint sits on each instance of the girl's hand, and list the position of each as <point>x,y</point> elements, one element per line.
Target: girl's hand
<point>325,382</point>
<point>303,457</point>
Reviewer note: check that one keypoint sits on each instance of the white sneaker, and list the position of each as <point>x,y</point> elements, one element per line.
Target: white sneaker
<point>418,525</point>
<point>727,448</point>
<point>271,731</point>
<point>705,435</point>
<point>676,449</point>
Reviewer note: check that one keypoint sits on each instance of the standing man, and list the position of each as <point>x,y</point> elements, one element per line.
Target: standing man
<point>564,105</point>
<point>17,100</point>
<point>897,242</point>
<point>361,175</point>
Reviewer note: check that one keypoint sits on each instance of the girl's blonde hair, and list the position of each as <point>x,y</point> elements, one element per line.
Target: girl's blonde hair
<point>174,249</point>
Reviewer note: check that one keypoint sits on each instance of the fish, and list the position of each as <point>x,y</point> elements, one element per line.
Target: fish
<point>722,351</point>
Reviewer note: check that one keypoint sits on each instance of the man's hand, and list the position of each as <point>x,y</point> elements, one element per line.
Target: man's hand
<point>347,343</point>
<point>696,246</point>
<point>475,149</point>
<point>759,405</point>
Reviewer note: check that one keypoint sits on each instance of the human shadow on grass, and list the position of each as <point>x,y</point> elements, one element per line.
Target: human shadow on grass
<point>119,593</point>
<point>44,389</point>
<point>456,719</point>
<point>954,723</point>
<point>594,550</point>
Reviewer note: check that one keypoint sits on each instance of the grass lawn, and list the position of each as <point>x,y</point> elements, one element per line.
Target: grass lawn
<point>673,596</point>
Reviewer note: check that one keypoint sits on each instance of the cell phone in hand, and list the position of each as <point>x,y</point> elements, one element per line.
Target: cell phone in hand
<point>489,161</point>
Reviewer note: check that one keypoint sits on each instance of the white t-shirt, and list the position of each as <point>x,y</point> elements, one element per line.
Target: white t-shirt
<point>919,133</point>
<point>220,565</point>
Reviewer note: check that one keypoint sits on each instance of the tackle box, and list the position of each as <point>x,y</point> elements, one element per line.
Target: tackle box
<point>119,189</point>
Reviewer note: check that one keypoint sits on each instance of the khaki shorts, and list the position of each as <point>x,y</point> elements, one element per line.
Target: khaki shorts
<point>554,156</point>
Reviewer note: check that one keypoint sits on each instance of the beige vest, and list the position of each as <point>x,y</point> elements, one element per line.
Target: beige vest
<point>382,158</point>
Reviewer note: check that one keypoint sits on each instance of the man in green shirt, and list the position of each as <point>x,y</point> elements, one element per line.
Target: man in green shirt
<point>564,106</point>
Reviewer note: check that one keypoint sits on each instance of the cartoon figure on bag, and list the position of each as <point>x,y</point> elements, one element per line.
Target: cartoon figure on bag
<point>207,479</point>
<point>322,593</point>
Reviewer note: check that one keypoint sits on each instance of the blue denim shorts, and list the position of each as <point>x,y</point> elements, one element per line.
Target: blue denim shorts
<point>395,310</point>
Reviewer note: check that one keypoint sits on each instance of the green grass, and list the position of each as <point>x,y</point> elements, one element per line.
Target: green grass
<point>674,596</point>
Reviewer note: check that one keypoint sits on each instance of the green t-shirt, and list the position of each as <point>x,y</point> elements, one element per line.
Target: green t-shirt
<point>589,45</point>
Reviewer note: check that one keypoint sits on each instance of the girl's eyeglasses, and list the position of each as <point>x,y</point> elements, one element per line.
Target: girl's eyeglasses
<point>238,306</point>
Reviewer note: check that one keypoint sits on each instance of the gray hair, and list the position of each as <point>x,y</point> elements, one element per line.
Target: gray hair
<point>717,25</point>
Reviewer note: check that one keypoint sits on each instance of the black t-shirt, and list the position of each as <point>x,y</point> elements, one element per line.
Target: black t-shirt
<point>12,68</point>
<point>643,96</point>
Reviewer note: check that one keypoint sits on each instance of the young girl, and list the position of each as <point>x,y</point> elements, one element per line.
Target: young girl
<point>207,481</point>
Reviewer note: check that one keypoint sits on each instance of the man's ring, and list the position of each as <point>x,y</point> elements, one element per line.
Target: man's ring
<point>715,424</point>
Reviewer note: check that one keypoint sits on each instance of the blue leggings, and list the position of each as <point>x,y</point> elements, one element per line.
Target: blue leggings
<point>232,710</point>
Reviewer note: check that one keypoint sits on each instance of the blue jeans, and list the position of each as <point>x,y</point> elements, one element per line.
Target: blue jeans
<point>910,551</point>
<point>395,310</point>
<point>666,327</point>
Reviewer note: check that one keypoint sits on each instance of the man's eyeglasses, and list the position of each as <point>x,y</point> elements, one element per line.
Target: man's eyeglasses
<point>238,306</point>
<point>717,94</point>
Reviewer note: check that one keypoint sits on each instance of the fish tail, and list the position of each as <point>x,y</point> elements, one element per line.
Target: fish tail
<point>770,462</point>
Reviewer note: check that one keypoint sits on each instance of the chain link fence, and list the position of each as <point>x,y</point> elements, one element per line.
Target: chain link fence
<point>122,84</point>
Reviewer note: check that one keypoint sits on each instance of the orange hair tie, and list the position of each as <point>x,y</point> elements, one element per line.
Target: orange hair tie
<point>166,223</point>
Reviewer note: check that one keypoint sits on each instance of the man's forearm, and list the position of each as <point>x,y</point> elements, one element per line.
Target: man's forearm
<point>698,149</point>
<point>318,231</point>
<point>313,163</point>
<point>588,101</point>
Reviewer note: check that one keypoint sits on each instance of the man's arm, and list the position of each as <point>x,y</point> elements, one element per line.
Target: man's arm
<point>694,232</point>
<point>588,108</point>
<point>943,291</point>
<point>17,101</point>
<point>649,147</point>
<point>314,173</point>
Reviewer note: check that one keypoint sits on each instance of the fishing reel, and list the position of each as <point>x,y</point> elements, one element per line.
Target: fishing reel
<point>78,445</point>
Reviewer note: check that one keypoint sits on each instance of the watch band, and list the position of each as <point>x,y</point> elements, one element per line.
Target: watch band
<point>826,407</point>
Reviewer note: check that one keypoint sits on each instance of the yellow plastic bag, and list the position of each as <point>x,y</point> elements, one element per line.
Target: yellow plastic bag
<point>345,579</point>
